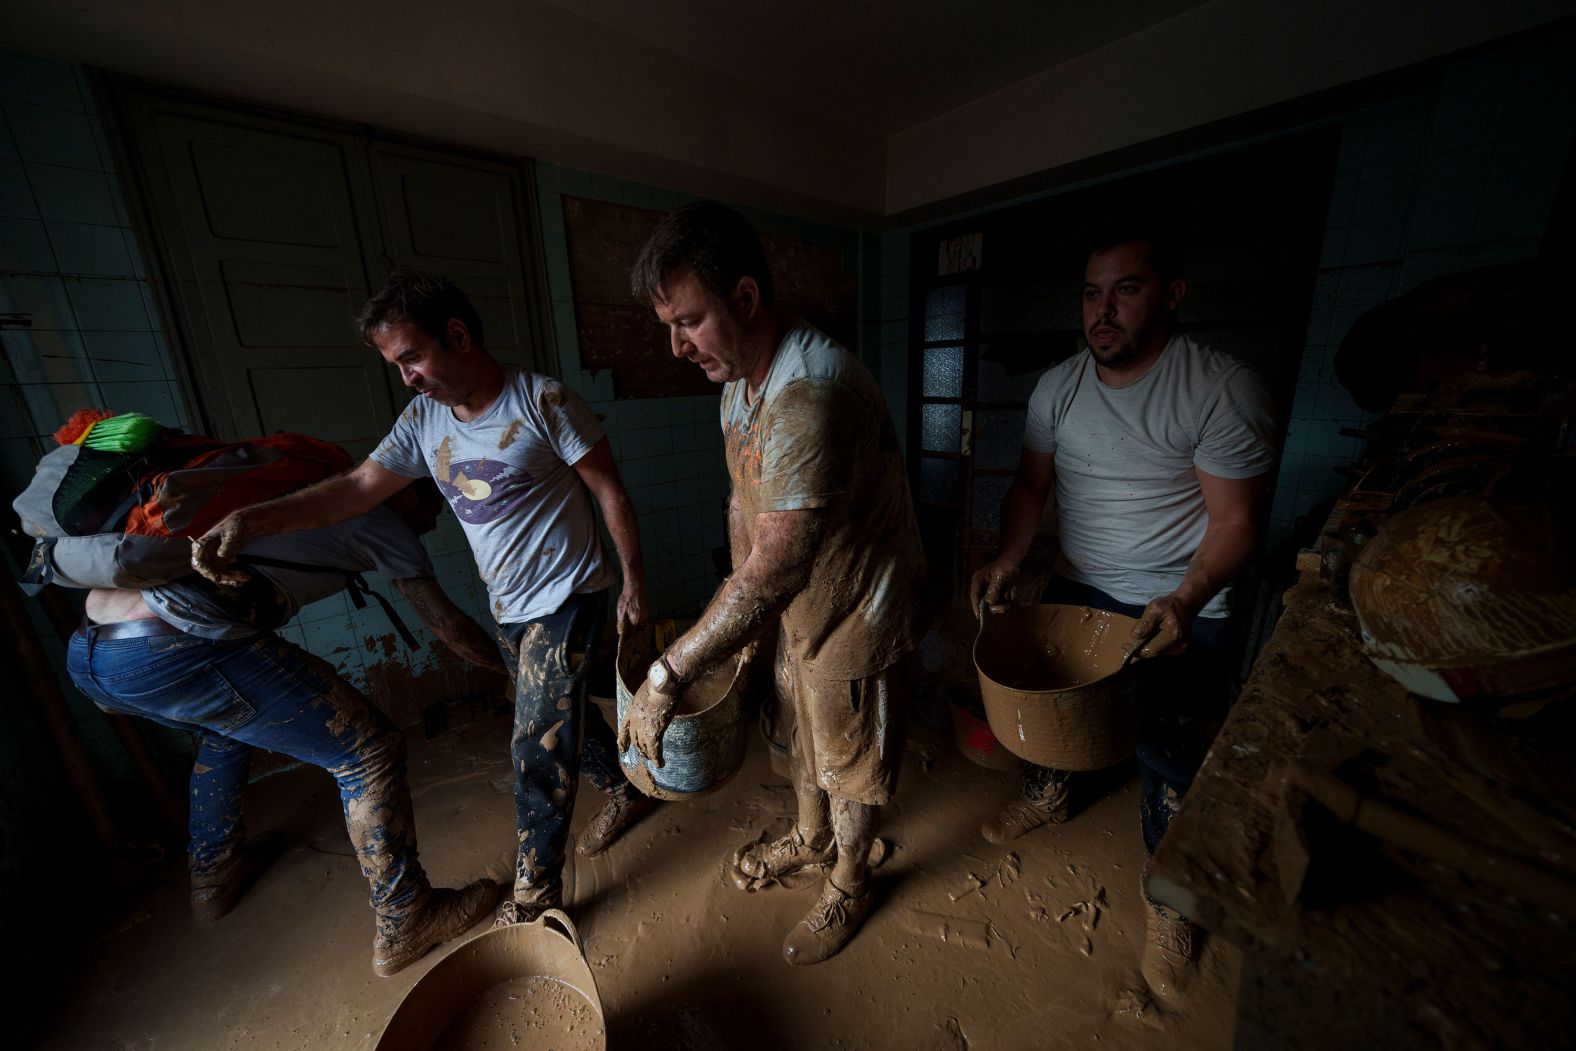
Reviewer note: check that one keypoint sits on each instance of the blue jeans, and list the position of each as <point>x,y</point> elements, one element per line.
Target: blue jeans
<point>264,692</point>
<point>1180,702</point>
<point>555,730</point>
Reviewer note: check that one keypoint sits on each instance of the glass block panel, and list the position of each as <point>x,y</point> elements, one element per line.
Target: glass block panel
<point>940,481</point>
<point>939,427</point>
<point>944,313</point>
<point>943,372</point>
<point>998,435</point>
<point>995,384</point>
<point>988,493</point>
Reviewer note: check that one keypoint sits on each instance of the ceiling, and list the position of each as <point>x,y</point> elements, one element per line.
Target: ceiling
<point>845,110</point>
<point>880,67</point>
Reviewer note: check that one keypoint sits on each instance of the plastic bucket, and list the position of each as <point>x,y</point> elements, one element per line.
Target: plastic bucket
<point>972,733</point>
<point>1049,685</point>
<point>527,983</point>
<point>704,745</point>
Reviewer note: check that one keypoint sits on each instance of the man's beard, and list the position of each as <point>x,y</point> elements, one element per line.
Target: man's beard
<point>1116,356</point>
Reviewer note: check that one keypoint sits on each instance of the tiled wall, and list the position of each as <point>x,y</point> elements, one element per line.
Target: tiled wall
<point>78,323</point>
<point>1457,175</point>
<point>669,450</point>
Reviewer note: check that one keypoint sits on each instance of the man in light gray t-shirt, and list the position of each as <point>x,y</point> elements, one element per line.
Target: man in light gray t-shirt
<point>520,458</point>
<point>1158,448</point>
<point>509,479</point>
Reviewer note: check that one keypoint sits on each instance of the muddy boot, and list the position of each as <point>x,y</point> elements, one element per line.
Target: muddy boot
<point>625,806</point>
<point>447,913</point>
<point>1170,953</point>
<point>784,856</point>
<point>525,909</point>
<point>828,927</point>
<point>216,892</point>
<point>1029,811</point>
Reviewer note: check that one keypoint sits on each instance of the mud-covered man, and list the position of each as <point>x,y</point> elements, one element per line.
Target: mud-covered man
<point>520,458</point>
<point>1158,449</point>
<point>204,659</point>
<point>824,543</point>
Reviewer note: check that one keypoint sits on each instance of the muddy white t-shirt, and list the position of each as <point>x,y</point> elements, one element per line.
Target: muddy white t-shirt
<point>509,477</point>
<point>818,435</point>
<point>1128,505</point>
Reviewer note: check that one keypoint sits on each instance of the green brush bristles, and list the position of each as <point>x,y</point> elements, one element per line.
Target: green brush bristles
<point>130,432</point>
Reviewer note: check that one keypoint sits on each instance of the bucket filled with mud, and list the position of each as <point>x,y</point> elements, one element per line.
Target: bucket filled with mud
<point>1049,683</point>
<point>525,985</point>
<point>704,745</point>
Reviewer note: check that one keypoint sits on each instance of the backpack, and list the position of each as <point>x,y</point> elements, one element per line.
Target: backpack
<point>128,518</point>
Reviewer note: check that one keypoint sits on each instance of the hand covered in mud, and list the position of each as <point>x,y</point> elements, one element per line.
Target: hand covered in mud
<point>992,583</point>
<point>646,720</point>
<point>631,605</point>
<point>1165,624</point>
<point>218,547</point>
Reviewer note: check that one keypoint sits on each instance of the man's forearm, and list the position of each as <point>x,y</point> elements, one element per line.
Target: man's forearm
<point>1020,521</point>
<point>618,511</point>
<point>449,623</point>
<point>1224,551</point>
<point>777,569</point>
<point>321,504</point>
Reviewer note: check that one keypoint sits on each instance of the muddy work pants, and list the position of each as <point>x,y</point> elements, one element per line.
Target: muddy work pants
<point>555,730</point>
<point>1180,701</point>
<point>263,692</point>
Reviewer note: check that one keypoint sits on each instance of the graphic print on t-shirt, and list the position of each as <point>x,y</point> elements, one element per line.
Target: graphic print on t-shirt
<point>480,491</point>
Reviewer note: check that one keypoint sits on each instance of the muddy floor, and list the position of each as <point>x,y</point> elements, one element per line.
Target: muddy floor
<point>1033,945</point>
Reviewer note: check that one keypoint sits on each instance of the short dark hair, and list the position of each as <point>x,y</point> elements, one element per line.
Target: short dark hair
<point>714,242</point>
<point>1165,254</point>
<point>423,298</point>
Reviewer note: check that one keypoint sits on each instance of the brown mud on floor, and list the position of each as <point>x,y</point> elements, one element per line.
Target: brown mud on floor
<point>1032,945</point>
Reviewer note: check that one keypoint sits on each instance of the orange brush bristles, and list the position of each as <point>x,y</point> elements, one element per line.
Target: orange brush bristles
<point>79,423</point>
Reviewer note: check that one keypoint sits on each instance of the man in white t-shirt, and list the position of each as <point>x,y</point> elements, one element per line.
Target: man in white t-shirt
<point>520,458</point>
<point>1158,449</point>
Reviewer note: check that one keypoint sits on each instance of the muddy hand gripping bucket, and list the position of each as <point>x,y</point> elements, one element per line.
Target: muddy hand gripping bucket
<point>1048,679</point>
<point>704,745</point>
<point>526,984</point>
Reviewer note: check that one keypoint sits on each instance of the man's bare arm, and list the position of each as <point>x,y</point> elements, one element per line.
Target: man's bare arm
<point>450,624</point>
<point>600,474</point>
<point>738,534</point>
<point>1229,541</point>
<point>777,568</point>
<point>1021,509</point>
<point>332,500</point>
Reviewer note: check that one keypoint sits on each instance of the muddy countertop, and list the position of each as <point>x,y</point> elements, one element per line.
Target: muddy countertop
<point>1381,946</point>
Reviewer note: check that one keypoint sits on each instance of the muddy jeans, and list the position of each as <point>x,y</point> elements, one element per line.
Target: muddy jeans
<point>264,692</point>
<point>1180,700</point>
<point>555,730</point>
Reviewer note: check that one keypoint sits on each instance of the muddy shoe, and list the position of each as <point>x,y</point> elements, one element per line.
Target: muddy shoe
<point>216,893</point>
<point>625,806</point>
<point>515,911</point>
<point>1031,810</point>
<point>448,913</point>
<point>828,927</point>
<point>782,857</point>
<point>1170,954</point>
